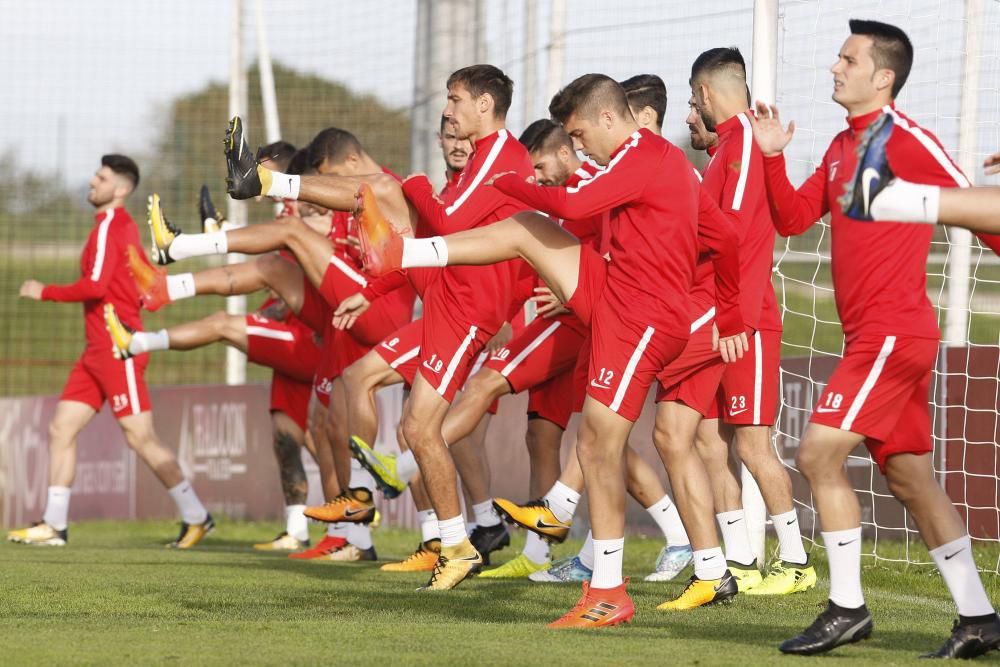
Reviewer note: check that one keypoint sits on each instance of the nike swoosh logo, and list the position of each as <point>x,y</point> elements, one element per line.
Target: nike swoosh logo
<point>436,253</point>
<point>729,523</point>
<point>594,383</point>
<point>571,501</point>
<point>704,558</point>
<point>431,368</point>
<point>788,523</point>
<point>822,409</point>
<point>867,176</point>
<point>388,347</point>
<point>733,413</point>
<point>353,512</point>
<point>844,544</point>
<point>608,553</point>
<point>542,524</point>
<point>950,556</point>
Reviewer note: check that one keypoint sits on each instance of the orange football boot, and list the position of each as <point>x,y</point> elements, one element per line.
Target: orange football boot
<point>326,546</point>
<point>598,608</point>
<point>354,506</point>
<point>151,281</point>
<point>381,244</point>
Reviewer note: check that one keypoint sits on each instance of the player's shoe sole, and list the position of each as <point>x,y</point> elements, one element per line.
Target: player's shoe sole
<point>873,172</point>
<point>535,516</point>
<point>598,608</point>
<point>381,244</point>
<point>121,335</point>
<point>150,281</point>
<point>382,467</point>
<point>702,592</point>
<point>454,565</point>
<point>244,179</point>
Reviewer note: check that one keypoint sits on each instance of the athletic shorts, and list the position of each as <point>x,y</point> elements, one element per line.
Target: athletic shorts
<point>881,390</point>
<point>290,349</point>
<point>694,377</point>
<point>553,399</point>
<point>544,349</point>
<point>626,352</point>
<point>749,391</point>
<point>315,312</point>
<point>97,377</point>
<point>291,396</point>
<point>401,350</point>
<point>448,349</point>
<point>385,314</point>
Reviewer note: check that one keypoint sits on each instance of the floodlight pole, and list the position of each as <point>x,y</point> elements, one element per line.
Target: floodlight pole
<point>236,211</point>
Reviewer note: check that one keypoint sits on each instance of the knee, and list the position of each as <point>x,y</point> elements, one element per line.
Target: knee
<point>752,447</point>
<point>810,461</point>
<point>413,432</point>
<point>486,387</point>
<point>219,321</point>
<point>668,443</point>
<point>905,487</point>
<point>60,433</point>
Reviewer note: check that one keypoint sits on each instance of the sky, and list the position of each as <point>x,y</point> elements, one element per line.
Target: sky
<point>84,78</point>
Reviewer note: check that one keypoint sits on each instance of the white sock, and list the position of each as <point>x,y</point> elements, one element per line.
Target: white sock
<point>958,568</point>
<point>843,552</point>
<point>57,507</point>
<point>586,554</point>
<point>536,549</point>
<point>562,501</point>
<point>190,508</point>
<point>790,547</point>
<point>453,531</point>
<point>665,514</point>
<point>337,529</point>
<point>734,536</point>
<point>486,516</point>
<point>425,252</point>
<point>296,523</point>
<point>428,525</point>
<point>607,563</point>
<point>149,341</point>
<point>361,478</point>
<point>359,535</point>
<point>709,564</point>
<point>406,466</point>
<point>180,286</point>
<point>199,245</point>
<point>283,186</point>
<point>902,201</point>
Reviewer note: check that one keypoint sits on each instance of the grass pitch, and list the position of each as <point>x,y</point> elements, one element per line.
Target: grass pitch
<point>116,596</point>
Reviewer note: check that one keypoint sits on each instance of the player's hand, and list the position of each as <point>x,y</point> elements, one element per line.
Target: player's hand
<point>500,175</point>
<point>547,304</point>
<point>349,310</point>
<point>768,132</point>
<point>731,347</point>
<point>32,289</point>
<point>992,164</point>
<point>501,338</point>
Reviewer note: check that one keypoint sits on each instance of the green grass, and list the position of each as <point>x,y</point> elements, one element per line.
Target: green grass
<point>115,596</point>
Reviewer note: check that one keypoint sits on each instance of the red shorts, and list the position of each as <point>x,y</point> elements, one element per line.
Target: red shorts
<point>749,391</point>
<point>581,372</point>
<point>693,378</point>
<point>326,368</point>
<point>552,400</point>
<point>544,349</point>
<point>448,348</point>
<point>385,314</point>
<point>97,377</point>
<point>401,350</point>
<point>590,284</point>
<point>290,396</point>
<point>881,390</point>
<point>290,349</point>
<point>315,311</point>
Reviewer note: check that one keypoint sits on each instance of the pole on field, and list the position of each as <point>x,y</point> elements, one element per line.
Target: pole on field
<point>236,211</point>
<point>556,61</point>
<point>764,82</point>
<point>956,319</point>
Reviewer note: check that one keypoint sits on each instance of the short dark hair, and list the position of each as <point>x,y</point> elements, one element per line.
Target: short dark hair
<point>332,145</point>
<point>891,49</point>
<point>586,95</point>
<point>123,166</point>
<point>646,90</point>
<point>545,135</point>
<point>486,79</point>
<point>299,163</point>
<point>714,60</point>
<point>278,152</point>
